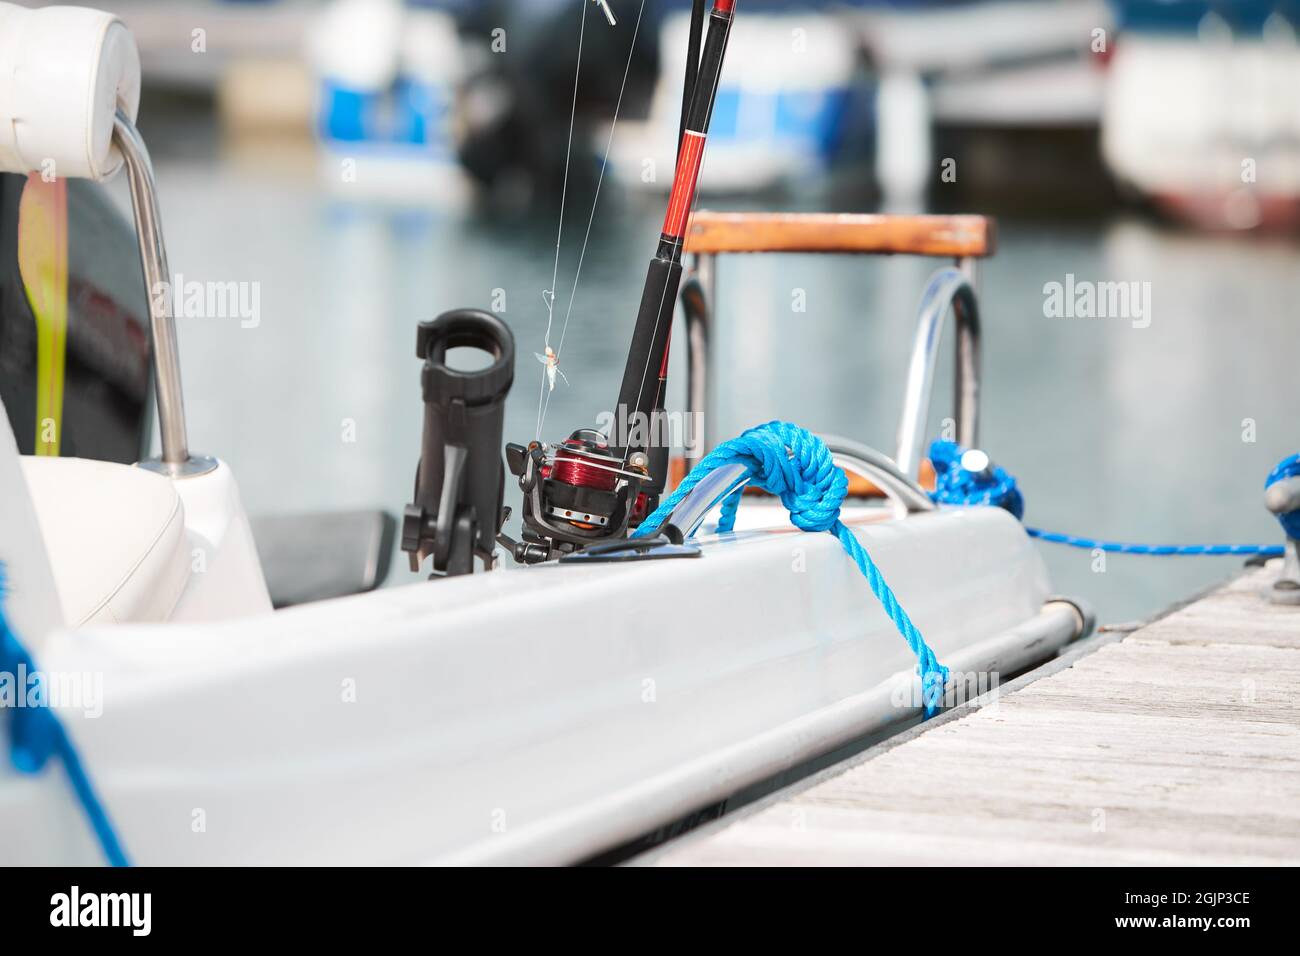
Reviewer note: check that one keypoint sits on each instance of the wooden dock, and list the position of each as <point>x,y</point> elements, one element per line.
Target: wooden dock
<point>1178,743</point>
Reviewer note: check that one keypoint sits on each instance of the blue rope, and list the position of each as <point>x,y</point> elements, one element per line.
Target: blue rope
<point>795,465</point>
<point>955,485</point>
<point>1180,550</point>
<point>37,735</point>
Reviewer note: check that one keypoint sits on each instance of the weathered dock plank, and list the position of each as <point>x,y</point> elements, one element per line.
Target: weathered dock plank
<point>1179,744</point>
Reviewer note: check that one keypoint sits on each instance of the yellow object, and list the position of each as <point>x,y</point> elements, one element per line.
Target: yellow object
<point>43,264</point>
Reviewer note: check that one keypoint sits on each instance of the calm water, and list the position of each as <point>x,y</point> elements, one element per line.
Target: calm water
<point>1113,431</point>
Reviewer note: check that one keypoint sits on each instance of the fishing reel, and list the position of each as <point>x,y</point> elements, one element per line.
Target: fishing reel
<point>576,494</point>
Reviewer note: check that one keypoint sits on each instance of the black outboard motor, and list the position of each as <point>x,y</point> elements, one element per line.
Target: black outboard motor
<point>512,106</point>
<point>460,480</point>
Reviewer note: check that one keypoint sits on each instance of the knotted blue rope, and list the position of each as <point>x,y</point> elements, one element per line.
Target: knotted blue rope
<point>36,735</point>
<point>956,484</point>
<point>795,465</point>
<point>1286,468</point>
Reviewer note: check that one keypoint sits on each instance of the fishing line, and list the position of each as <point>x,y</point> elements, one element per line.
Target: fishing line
<point>549,294</point>
<point>564,327</point>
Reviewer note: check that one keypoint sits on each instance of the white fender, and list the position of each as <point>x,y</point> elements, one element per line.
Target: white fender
<point>64,72</point>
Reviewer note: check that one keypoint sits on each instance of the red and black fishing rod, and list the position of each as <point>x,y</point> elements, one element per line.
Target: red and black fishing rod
<point>592,487</point>
<point>641,395</point>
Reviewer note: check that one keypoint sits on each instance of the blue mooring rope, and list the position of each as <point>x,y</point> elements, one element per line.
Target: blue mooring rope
<point>956,485</point>
<point>36,735</point>
<point>795,465</point>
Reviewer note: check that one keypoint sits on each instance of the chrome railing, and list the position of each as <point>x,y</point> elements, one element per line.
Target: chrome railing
<point>852,456</point>
<point>877,467</point>
<point>697,297</point>
<point>704,497</point>
<point>948,289</point>
<point>176,460</point>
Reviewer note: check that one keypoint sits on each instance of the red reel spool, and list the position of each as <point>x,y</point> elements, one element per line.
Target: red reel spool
<point>579,463</point>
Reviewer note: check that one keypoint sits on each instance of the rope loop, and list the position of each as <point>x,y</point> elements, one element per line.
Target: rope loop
<point>796,466</point>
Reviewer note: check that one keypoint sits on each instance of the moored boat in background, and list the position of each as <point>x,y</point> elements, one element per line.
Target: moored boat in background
<point>1191,120</point>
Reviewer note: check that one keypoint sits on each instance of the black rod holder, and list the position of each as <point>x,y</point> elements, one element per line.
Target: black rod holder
<point>460,480</point>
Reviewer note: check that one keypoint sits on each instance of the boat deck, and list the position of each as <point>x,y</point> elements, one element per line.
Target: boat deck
<point>1177,743</point>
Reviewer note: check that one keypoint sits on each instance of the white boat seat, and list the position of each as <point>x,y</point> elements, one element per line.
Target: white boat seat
<point>115,535</point>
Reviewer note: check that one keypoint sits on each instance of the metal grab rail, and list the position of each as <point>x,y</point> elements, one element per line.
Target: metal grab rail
<point>852,456</point>
<point>176,460</point>
<point>947,289</point>
<point>704,497</point>
<point>697,301</point>
<point>963,238</point>
<point>881,471</point>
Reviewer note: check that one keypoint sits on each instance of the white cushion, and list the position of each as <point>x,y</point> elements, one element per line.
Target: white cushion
<point>115,535</point>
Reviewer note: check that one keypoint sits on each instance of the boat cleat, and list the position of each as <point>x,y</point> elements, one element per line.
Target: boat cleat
<point>1283,499</point>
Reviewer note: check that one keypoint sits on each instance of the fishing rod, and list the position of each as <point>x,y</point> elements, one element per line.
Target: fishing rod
<point>592,487</point>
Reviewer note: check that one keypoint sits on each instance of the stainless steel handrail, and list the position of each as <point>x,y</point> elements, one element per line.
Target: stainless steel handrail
<point>704,497</point>
<point>176,459</point>
<point>849,455</point>
<point>948,289</point>
<point>880,470</point>
<point>697,298</point>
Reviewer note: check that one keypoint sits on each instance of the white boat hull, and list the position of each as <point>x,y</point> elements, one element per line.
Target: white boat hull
<point>537,715</point>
